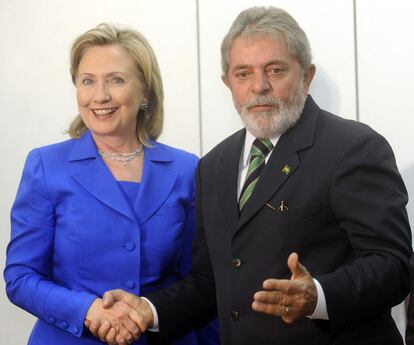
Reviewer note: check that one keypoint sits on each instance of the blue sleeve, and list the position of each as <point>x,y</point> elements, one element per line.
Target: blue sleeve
<point>189,225</point>
<point>29,264</point>
<point>209,333</point>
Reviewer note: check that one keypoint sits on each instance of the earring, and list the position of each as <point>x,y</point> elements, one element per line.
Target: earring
<point>144,106</point>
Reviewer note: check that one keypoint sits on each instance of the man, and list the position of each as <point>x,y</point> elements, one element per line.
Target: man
<point>315,188</point>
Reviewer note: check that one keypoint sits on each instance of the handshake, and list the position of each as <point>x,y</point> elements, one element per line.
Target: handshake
<point>119,318</point>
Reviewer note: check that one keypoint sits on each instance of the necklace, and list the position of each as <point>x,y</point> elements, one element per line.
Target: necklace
<point>125,158</point>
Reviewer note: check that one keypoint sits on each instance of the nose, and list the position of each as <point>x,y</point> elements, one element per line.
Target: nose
<point>261,83</point>
<point>101,93</point>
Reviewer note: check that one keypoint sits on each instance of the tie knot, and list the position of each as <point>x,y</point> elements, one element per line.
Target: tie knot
<point>261,147</point>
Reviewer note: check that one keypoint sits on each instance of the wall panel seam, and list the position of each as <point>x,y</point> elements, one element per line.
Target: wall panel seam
<point>356,60</point>
<point>200,117</point>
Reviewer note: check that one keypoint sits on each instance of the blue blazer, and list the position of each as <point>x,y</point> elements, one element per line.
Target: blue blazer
<point>74,235</point>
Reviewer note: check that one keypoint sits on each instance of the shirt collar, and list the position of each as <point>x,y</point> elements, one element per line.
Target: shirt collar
<point>248,142</point>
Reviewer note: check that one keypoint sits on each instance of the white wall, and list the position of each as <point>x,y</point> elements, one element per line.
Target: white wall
<point>37,98</point>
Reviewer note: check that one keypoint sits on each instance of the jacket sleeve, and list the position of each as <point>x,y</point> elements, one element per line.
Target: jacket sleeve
<point>190,302</point>
<point>189,224</point>
<point>368,198</point>
<point>29,265</point>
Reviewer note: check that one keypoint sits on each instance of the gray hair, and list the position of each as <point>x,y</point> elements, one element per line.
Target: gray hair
<point>268,21</point>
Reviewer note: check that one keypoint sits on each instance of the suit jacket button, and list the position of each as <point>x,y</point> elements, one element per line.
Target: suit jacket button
<point>237,263</point>
<point>130,246</point>
<point>51,319</point>
<point>65,325</point>
<point>234,315</point>
<point>130,284</point>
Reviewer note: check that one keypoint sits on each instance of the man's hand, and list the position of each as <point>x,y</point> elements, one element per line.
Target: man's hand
<point>135,302</point>
<point>119,325</point>
<point>290,299</point>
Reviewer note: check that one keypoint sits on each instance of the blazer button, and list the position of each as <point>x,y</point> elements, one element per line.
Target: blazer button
<point>130,284</point>
<point>51,319</point>
<point>237,263</point>
<point>65,325</point>
<point>234,315</point>
<point>130,246</point>
<point>75,329</point>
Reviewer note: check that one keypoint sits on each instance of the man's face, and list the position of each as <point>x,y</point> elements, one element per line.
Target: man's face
<point>268,85</point>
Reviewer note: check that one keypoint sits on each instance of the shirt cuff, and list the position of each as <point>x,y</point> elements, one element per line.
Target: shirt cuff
<point>320,311</point>
<point>155,327</point>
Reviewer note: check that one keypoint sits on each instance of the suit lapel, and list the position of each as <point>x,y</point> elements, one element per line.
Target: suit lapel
<point>157,182</point>
<point>283,161</point>
<point>96,177</point>
<point>281,165</point>
<point>227,177</point>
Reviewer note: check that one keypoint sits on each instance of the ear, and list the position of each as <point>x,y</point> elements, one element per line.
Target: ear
<point>225,80</point>
<point>308,77</point>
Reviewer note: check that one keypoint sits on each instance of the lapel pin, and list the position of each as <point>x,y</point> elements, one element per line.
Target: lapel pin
<point>282,206</point>
<point>286,169</point>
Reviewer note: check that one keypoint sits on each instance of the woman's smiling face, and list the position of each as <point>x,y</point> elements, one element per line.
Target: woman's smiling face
<point>109,92</point>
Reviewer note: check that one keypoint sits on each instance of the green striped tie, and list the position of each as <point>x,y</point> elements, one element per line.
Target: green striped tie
<point>260,149</point>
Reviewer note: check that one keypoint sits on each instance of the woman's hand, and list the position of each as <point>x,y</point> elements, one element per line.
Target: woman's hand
<point>114,325</point>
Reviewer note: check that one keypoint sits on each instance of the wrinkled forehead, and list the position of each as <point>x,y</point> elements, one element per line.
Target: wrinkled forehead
<point>259,47</point>
<point>274,37</point>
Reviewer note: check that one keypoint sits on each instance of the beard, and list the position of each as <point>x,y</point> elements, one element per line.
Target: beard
<point>274,122</point>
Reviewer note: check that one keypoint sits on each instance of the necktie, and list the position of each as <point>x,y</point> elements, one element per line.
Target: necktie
<point>260,149</point>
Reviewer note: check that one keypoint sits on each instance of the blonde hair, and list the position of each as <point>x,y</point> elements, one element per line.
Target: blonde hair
<point>150,121</point>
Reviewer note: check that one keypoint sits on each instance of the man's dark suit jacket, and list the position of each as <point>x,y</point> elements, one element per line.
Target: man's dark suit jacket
<point>409,333</point>
<point>346,219</point>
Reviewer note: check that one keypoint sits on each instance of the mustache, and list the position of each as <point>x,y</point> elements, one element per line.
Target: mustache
<point>262,100</point>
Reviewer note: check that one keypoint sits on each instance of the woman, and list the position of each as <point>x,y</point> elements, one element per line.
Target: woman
<point>109,208</point>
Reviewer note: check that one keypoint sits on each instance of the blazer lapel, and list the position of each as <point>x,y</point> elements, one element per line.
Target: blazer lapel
<point>96,178</point>
<point>283,161</point>
<point>157,182</point>
<point>227,178</point>
<point>281,165</point>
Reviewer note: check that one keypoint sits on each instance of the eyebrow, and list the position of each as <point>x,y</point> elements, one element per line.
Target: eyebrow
<point>276,62</point>
<point>106,75</point>
<point>241,67</point>
<point>272,62</point>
